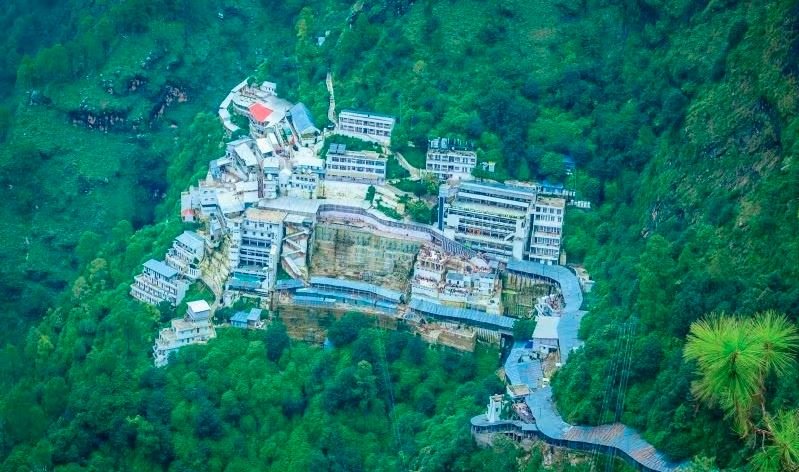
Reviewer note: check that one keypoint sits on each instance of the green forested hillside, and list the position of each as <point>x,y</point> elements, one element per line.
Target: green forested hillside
<point>681,117</point>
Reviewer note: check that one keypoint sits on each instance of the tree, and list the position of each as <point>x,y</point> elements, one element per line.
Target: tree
<point>734,357</point>
<point>523,329</point>
<point>276,339</point>
<point>345,330</point>
<point>370,193</point>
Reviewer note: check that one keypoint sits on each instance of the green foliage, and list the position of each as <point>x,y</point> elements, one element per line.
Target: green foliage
<point>419,211</point>
<point>276,339</point>
<point>734,358</point>
<point>370,193</point>
<point>394,170</point>
<point>523,329</point>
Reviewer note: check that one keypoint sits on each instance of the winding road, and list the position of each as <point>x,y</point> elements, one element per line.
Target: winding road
<point>549,425</point>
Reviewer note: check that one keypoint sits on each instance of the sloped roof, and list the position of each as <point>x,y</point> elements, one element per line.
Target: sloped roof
<point>301,117</point>
<point>465,315</point>
<point>192,240</point>
<point>160,268</point>
<point>343,284</point>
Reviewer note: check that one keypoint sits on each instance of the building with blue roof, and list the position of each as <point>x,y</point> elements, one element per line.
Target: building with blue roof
<point>247,319</point>
<point>186,253</point>
<point>487,326</point>
<point>303,124</point>
<point>158,283</point>
<point>356,288</point>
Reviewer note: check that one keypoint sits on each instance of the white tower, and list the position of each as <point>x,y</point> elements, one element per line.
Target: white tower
<point>494,408</point>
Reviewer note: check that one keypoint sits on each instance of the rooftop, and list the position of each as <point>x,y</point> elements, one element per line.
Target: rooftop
<point>160,268</point>
<point>198,306</point>
<point>259,111</point>
<point>357,286</point>
<point>269,216</point>
<point>192,240</point>
<point>301,117</point>
<point>366,113</point>
<point>464,314</point>
<point>546,327</point>
<point>552,202</point>
<point>246,154</point>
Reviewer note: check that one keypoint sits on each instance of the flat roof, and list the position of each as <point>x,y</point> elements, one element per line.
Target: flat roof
<point>546,327</point>
<point>356,154</point>
<point>260,112</point>
<point>551,201</point>
<point>271,216</point>
<point>160,268</point>
<point>358,286</point>
<point>499,187</point>
<point>366,113</point>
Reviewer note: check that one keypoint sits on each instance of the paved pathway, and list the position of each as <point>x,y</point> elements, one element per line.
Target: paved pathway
<point>331,109</point>
<point>549,424</point>
<point>415,173</point>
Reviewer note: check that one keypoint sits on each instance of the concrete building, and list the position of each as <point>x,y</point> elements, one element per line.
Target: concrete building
<point>186,253</point>
<point>457,281</point>
<point>247,319</point>
<point>158,283</point>
<point>448,159</point>
<point>255,250</point>
<point>488,217</point>
<point>509,221</point>
<point>355,166</point>
<point>194,328</point>
<point>366,125</point>
<point>545,335</point>
<point>303,126</point>
<point>547,230</point>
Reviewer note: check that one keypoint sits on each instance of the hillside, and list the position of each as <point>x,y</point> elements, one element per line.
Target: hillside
<point>681,118</point>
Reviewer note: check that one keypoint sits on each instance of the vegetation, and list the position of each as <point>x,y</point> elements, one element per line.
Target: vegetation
<point>734,359</point>
<point>680,116</point>
<point>394,170</point>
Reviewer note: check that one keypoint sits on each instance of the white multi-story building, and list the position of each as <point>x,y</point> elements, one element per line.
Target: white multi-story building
<point>186,253</point>
<point>448,159</point>
<point>488,217</point>
<point>355,166</point>
<point>258,250</point>
<point>509,221</point>
<point>158,283</point>
<point>195,327</point>
<point>366,125</point>
<point>547,232</point>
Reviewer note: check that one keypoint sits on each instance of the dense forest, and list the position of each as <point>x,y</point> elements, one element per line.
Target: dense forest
<point>680,116</point>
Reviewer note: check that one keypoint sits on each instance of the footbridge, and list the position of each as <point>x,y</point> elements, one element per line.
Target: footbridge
<point>548,425</point>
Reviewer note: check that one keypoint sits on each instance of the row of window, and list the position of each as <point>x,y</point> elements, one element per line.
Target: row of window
<point>557,219</point>
<point>351,160</point>
<point>376,132</point>
<point>366,170</point>
<point>456,159</point>
<point>372,123</point>
<point>554,211</point>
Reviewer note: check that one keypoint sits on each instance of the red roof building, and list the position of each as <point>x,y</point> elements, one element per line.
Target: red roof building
<point>259,112</point>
